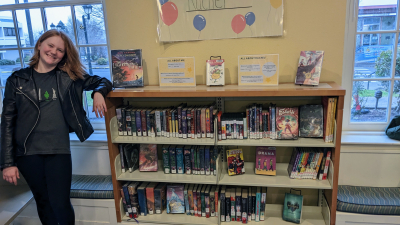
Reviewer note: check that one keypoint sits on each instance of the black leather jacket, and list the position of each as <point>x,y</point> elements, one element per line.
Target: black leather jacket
<point>21,109</point>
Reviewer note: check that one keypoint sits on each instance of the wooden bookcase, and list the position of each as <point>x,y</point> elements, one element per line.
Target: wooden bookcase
<point>228,96</point>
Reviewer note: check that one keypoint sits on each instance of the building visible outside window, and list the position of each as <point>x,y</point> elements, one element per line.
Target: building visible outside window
<point>372,64</point>
<point>22,24</point>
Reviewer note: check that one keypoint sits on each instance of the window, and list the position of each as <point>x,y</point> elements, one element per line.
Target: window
<point>371,65</point>
<point>22,24</point>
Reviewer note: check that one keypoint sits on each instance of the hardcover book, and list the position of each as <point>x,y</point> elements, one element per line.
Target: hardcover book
<point>287,126</point>
<point>235,162</point>
<point>160,198</point>
<point>179,159</point>
<point>202,161</point>
<point>150,197</point>
<point>215,72</point>
<point>309,67</point>
<point>188,163</point>
<point>311,121</point>
<point>165,153</point>
<point>266,161</point>
<point>172,158</point>
<point>207,165</point>
<point>292,208</point>
<point>127,70</point>
<point>186,196</point>
<point>148,160</point>
<point>142,198</point>
<point>175,199</point>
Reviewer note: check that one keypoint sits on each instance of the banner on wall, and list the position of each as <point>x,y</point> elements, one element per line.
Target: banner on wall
<point>186,20</point>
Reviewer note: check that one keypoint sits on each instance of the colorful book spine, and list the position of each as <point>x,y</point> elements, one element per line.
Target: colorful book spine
<point>138,123</point>
<point>216,200</point>
<point>208,134</point>
<point>238,202</point>
<point>258,204</point>
<point>203,201</point>
<point>184,124</point>
<point>198,122</point>
<point>150,198</point>
<point>193,160</point>
<point>193,122</point>
<point>212,120</point>
<point>203,122</point>
<point>328,158</point>
<point>233,204</point>
<point>207,166</point>
<point>186,196</point>
<point>127,200</point>
<point>199,200</point>
<point>207,201</point>
<point>133,122</point>
<point>158,123</point>
<point>244,206</point>
<point>263,201</point>
<point>188,163</point>
<point>195,199</point>
<point>180,166</point>
<point>142,199</point>
<point>172,158</point>
<point>190,199</point>
<point>180,121</point>
<point>167,166</point>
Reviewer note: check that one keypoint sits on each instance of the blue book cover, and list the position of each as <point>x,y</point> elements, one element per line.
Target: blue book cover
<point>292,208</point>
<point>258,204</point>
<point>207,164</point>
<point>180,166</point>
<point>175,199</point>
<point>188,157</point>
<point>142,198</point>
<point>215,158</point>
<point>172,158</point>
<point>198,160</point>
<point>202,163</point>
<point>138,123</point>
<point>212,160</point>
<point>128,202</point>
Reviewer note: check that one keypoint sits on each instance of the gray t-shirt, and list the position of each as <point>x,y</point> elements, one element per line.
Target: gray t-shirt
<point>51,134</point>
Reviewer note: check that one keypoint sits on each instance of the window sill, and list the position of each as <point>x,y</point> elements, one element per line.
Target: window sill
<point>97,136</point>
<point>367,138</point>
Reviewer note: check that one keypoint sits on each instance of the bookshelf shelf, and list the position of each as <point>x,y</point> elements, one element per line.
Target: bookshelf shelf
<point>228,95</point>
<point>280,180</point>
<point>160,176</point>
<point>301,142</point>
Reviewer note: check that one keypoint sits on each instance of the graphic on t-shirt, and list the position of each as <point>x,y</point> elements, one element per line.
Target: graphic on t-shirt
<point>46,95</point>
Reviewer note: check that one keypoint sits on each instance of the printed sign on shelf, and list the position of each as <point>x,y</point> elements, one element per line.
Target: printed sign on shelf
<point>176,72</point>
<point>258,70</point>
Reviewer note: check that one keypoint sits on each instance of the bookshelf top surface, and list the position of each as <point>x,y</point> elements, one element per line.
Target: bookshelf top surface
<point>284,89</point>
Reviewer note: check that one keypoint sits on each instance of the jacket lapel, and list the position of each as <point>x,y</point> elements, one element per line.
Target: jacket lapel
<point>27,85</point>
<point>63,82</point>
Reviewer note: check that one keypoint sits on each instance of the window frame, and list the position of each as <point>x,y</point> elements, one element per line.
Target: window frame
<point>348,67</point>
<point>98,125</point>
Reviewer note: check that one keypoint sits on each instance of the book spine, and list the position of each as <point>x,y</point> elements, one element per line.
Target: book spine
<point>188,164</point>
<point>212,121</point>
<point>328,158</point>
<point>180,121</point>
<point>207,167</point>
<point>165,126</point>
<point>158,123</point>
<point>186,200</point>
<point>195,210</point>
<point>219,126</point>
<point>166,163</point>
<point>121,154</point>
<point>193,122</point>
<point>128,121</point>
<point>212,203</point>
<point>189,123</point>
<point>249,206</point>
<point>184,124</point>
<point>142,201</point>
<point>152,124</point>
<point>203,123</point>
<point>190,200</point>
<point>228,209</point>
<point>233,207</point>
<point>143,122</point>
<point>172,159</point>
<point>238,203</point>
<point>223,129</point>
<point>202,161</point>
<point>215,157</point>
<point>208,128</point>
<point>216,199</point>
<point>203,204</point>
<point>150,200</point>
<point>179,160</point>
<point>207,203</point>
<point>258,206</point>
<point>193,160</point>
<point>157,201</point>
<point>127,200</point>
<point>262,206</point>
<point>148,123</point>
<point>198,122</point>
<point>118,111</point>
<point>244,210</point>
<point>198,161</point>
<point>133,127</point>
<point>176,125</point>
<point>222,207</point>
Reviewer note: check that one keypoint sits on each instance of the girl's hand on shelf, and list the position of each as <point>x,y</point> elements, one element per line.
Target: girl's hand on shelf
<point>99,105</point>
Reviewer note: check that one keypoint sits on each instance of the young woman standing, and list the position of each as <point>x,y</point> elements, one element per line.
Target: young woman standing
<point>42,105</point>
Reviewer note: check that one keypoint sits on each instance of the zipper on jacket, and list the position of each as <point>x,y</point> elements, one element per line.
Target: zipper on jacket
<point>69,92</point>
<point>36,119</point>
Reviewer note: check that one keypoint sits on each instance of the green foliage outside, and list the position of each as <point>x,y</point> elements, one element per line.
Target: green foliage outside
<point>102,61</point>
<point>89,98</point>
<point>6,62</point>
<point>26,59</point>
<point>383,65</point>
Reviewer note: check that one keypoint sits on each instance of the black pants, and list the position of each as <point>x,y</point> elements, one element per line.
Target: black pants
<point>49,178</point>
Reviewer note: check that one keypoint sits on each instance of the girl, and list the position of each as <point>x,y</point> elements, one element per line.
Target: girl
<point>42,104</point>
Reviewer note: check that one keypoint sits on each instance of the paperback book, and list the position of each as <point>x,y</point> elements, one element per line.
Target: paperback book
<point>175,199</point>
<point>266,161</point>
<point>309,67</point>
<point>292,208</point>
<point>311,121</point>
<point>148,160</point>
<point>235,162</point>
<point>127,70</point>
<point>287,126</point>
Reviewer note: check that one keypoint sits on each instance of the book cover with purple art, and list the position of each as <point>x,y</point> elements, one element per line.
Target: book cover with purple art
<point>148,160</point>
<point>127,70</point>
<point>175,199</point>
<point>309,67</point>
<point>287,125</point>
<point>266,161</point>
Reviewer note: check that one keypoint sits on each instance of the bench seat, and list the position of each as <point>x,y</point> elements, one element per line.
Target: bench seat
<point>369,200</point>
<point>92,187</point>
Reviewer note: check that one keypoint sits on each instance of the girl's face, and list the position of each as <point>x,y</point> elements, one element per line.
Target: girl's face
<point>52,50</point>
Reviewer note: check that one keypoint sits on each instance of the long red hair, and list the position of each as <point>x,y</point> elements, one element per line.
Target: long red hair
<point>70,63</point>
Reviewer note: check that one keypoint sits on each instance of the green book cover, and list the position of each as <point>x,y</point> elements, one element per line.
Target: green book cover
<point>292,208</point>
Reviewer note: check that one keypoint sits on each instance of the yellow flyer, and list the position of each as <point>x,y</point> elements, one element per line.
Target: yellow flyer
<point>176,72</point>
<point>258,70</point>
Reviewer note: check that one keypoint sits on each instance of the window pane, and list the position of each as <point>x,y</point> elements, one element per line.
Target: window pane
<point>7,2</point>
<point>93,22</point>
<point>374,15</point>
<point>27,1</point>
<point>370,100</point>
<point>60,18</point>
<point>27,55</point>
<point>7,37</point>
<point>397,73</point>
<point>373,57</point>
<point>99,60</point>
<point>30,25</point>
<point>396,99</point>
<point>8,64</point>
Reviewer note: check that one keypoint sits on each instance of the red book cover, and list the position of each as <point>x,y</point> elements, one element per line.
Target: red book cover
<point>148,160</point>
<point>150,197</point>
<point>287,125</point>
<point>208,122</point>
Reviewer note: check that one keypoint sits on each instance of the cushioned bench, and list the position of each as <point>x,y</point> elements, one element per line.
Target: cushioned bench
<point>369,200</point>
<point>92,187</point>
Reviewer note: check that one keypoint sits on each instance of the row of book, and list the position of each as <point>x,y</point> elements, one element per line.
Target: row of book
<point>309,163</point>
<point>149,198</point>
<point>329,104</point>
<point>181,122</point>
<point>190,159</point>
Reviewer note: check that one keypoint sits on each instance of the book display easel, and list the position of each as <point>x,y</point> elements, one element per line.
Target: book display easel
<point>229,98</point>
